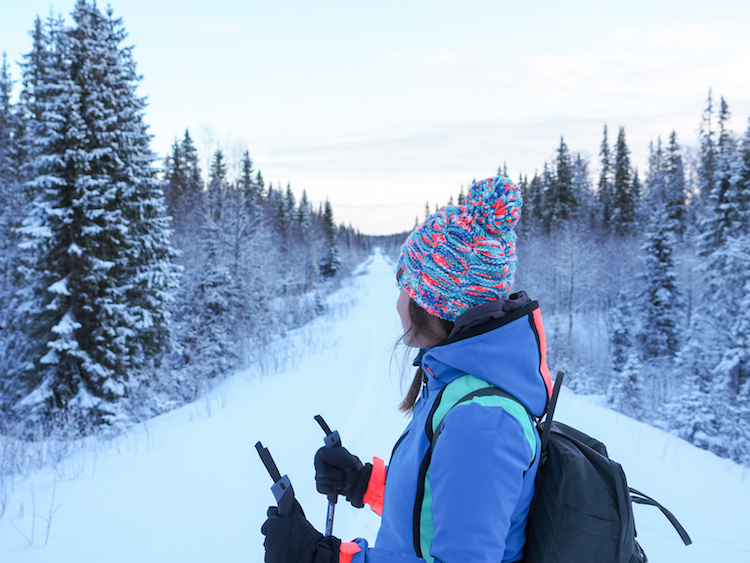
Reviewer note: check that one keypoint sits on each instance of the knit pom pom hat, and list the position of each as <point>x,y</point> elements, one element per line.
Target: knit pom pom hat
<point>463,256</point>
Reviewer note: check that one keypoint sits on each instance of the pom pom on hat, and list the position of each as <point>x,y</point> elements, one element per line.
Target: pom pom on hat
<point>495,204</point>
<point>464,256</point>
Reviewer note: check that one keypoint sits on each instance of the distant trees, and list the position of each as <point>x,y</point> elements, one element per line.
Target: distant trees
<point>662,267</point>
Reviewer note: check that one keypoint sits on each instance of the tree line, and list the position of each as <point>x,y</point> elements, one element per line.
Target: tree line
<point>128,285</point>
<point>646,279</point>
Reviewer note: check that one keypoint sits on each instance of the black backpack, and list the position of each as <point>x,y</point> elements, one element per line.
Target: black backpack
<point>582,510</point>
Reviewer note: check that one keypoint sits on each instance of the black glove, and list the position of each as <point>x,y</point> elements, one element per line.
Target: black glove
<point>338,471</point>
<point>292,539</point>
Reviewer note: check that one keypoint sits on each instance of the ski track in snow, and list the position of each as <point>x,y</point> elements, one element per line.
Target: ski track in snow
<point>188,486</point>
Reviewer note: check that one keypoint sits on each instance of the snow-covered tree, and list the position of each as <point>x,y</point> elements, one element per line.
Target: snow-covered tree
<point>7,128</point>
<point>721,212</point>
<point>582,189</point>
<point>560,203</point>
<point>625,392</point>
<point>96,237</point>
<point>604,192</point>
<point>661,297</point>
<point>330,262</point>
<point>624,195</point>
<point>675,186</point>
<point>707,165</point>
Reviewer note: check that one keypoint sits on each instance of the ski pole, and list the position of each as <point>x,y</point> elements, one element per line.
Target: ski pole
<point>282,488</point>
<point>332,440</point>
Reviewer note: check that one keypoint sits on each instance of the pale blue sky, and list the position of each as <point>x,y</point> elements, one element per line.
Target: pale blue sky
<point>383,105</point>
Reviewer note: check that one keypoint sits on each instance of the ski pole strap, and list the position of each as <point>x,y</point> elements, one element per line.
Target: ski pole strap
<point>640,498</point>
<point>265,457</point>
<point>551,409</point>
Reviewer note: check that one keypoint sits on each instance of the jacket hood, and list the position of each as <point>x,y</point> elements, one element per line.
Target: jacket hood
<point>502,343</point>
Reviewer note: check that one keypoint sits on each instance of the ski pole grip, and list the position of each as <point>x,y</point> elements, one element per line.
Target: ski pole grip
<point>282,487</point>
<point>331,440</point>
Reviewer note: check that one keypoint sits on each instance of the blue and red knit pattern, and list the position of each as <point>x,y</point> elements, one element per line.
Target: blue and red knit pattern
<point>463,256</point>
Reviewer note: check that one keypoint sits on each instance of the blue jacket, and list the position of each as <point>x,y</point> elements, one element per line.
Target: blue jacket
<point>471,499</point>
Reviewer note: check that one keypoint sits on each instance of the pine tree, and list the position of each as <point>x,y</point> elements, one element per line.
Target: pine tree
<point>261,185</point>
<point>461,200</point>
<point>330,263</point>
<point>604,192</point>
<point>721,211</point>
<point>10,211</point>
<point>560,202</point>
<point>732,260</point>
<point>532,218</point>
<point>656,179</point>
<point>707,166</point>
<point>625,391</point>
<point>676,192</point>
<point>288,212</point>
<point>303,216</point>
<point>740,187</point>
<point>582,189</point>
<point>547,186</point>
<point>97,240</point>
<point>662,300</point>
<point>247,184</point>
<point>7,130</point>
<point>217,188</point>
<point>625,197</point>
<point>9,180</point>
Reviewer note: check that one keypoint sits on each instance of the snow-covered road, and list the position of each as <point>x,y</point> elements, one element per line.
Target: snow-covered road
<point>189,487</point>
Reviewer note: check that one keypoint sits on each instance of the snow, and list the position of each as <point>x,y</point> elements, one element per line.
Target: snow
<point>60,287</point>
<point>66,325</point>
<point>189,486</point>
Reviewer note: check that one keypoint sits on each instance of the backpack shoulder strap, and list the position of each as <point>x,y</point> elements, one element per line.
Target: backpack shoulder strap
<point>551,410</point>
<point>463,390</point>
<point>468,389</point>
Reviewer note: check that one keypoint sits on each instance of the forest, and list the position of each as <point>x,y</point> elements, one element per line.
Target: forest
<point>130,284</point>
<point>645,279</point>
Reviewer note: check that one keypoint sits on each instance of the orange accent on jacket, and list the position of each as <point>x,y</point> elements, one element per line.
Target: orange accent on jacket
<point>543,368</point>
<point>375,493</point>
<point>347,551</point>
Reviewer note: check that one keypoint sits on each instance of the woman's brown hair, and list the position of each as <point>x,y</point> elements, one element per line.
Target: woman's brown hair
<point>432,328</point>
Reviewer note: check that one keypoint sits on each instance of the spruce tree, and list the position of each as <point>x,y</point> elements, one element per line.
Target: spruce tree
<point>741,186</point>
<point>732,260</point>
<point>330,263</point>
<point>7,130</point>
<point>288,212</point>
<point>96,237</point>
<point>624,196</point>
<point>247,184</point>
<point>676,192</point>
<point>461,200</point>
<point>9,180</point>
<point>604,191</point>
<point>625,391</point>
<point>582,190</point>
<point>662,300</point>
<point>707,165</point>
<point>532,217</point>
<point>560,201</point>
<point>721,211</point>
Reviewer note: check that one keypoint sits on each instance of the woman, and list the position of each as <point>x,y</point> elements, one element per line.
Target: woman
<point>466,496</point>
